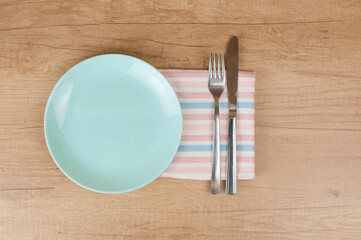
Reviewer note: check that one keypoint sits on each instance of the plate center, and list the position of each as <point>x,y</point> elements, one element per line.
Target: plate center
<point>114,122</point>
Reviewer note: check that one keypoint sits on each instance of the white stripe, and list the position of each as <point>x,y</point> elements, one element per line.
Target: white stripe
<point>194,176</point>
<point>221,131</point>
<point>245,176</point>
<point>190,143</point>
<point>204,176</point>
<point>209,154</point>
<point>198,79</point>
<point>239,99</point>
<point>203,89</point>
<point>210,122</point>
<point>209,165</point>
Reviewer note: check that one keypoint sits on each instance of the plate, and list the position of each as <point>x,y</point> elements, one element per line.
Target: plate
<point>113,123</point>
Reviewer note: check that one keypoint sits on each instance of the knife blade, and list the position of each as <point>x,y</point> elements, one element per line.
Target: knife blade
<point>232,87</point>
<point>232,74</point>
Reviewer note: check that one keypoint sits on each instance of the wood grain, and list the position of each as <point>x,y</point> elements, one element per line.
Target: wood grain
<point>307,57</point>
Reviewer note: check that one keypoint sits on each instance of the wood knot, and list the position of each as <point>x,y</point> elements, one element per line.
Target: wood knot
<point>334,193</point>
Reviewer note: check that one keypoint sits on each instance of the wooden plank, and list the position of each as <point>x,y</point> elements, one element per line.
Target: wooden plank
<point>33,14</point>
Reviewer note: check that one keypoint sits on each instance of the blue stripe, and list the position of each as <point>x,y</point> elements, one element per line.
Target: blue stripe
<point>208,148</point>
<point>188,105</point>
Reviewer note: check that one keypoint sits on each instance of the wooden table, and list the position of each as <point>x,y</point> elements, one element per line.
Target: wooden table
<point>307,56</point>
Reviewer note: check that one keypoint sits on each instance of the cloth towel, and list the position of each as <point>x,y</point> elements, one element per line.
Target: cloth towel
<point>193,159</point>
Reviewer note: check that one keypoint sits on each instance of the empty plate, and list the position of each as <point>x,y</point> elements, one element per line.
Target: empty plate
<point>113,123</point>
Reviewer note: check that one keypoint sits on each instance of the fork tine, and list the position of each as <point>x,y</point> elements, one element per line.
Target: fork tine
<point>214,66</point>
<point>210,67</point>
<point>223,68</point>
<point>218,66</point>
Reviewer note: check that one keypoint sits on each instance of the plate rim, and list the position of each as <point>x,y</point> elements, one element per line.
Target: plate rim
<point>61,79</point>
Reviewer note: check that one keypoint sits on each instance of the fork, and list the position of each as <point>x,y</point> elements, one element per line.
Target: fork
<point>216,85</point>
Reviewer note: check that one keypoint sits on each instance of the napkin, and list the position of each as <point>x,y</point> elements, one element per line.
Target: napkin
<point>193,159</point>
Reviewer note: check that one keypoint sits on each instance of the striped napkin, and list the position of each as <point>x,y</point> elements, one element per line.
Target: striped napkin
<point>194,157</point>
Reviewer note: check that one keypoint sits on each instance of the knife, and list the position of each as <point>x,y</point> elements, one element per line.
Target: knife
<point>232,84</point>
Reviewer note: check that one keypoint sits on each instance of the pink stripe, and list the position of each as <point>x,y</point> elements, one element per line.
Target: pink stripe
<point>223,137</point>
<point>209,159</point>
<point>198,74</point>
<point>190,126</point>
<point>196,95</point>
<point>204,84</point>
<point>246,75</point>
<point>211,116</point>
<point>191,169</point>
<point>185,74</point>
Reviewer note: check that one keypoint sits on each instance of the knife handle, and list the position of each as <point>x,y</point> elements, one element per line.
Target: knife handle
<point>231,180</point>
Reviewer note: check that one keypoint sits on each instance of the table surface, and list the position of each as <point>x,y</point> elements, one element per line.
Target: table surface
<point>307,57</point>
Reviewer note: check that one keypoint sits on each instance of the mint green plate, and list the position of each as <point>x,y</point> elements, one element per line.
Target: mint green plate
<point>113,123</point>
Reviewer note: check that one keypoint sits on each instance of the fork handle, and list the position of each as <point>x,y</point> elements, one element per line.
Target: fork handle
<point>231,179</point>
<point>216,160</point>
